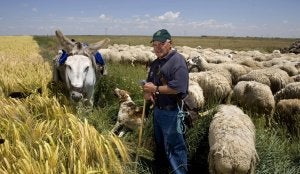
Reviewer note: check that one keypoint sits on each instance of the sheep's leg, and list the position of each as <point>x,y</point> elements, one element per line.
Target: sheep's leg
<point>228,99</point>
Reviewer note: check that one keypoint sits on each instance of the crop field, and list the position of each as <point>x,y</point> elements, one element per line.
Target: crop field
<point>45,133</point>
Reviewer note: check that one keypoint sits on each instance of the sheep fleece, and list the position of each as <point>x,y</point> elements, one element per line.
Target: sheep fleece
<point>232,142</point>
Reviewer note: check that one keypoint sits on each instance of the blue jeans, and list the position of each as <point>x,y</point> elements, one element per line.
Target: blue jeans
<point>169,143</point>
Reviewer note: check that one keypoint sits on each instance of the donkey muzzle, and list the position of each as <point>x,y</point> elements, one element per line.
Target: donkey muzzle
<point>76,96</point>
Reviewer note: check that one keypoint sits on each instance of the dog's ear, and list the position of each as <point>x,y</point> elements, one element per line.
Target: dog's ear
<point>131,105</point>
<point>138,109</point>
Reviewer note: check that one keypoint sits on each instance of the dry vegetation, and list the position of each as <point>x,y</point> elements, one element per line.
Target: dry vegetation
<point>41,135</point>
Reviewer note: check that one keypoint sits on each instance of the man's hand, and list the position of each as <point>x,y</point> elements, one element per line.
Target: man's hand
<point>149,87</point>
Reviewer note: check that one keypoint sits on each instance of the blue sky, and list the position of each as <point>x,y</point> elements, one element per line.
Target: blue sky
<point>261,18</point>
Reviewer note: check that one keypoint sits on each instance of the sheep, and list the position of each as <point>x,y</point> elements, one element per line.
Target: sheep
<point>256,75</point>
<point>216,88</point>
<point>278,78</point>
<point>232,142</point>
<point>128,54</point>
<point>296,78</point>
<point>196,95</point>
<point>276,52</point>
<point>291,91</point>
<point>249,62</point>
<point>193,102</point>
<point>284,64</point>
<point>287,114</point>
<point>236,70</point>
<point>255,97</point>
<point>273,77</point>
<point>290,69</point>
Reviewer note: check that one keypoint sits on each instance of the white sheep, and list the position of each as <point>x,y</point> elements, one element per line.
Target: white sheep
<point>291,91</point>
<point>195,96</point>
<point>193,102</point>
<point>296,78</point>
<point>232,142</point>
<point>128,54</point>
<point>255,97</point>
<point>273,77</point>
<point>287,114</point>
<point>216,87</point>
<point>236,70</point>
<point>249,62</point>
<point>289,68</point>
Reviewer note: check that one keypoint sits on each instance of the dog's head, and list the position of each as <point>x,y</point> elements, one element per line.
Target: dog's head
<point>122,95</point>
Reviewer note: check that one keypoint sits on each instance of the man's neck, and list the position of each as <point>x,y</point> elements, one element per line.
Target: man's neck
<point>164,56</point>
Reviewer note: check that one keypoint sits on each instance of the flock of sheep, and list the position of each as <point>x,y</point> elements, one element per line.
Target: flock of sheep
<point>264,84</point>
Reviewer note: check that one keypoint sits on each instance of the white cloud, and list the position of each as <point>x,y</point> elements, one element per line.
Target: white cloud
<point>104,17</point>
<point>167,17</point>
<point>34,9</point>
<point>211,23</point>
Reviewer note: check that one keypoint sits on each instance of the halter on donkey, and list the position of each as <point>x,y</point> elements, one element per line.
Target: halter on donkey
<point>77,69</point>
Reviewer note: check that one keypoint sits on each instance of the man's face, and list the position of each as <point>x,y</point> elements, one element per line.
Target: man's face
<point>161,49</point>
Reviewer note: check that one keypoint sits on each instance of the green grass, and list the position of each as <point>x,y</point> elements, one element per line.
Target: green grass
<point>278,153</point>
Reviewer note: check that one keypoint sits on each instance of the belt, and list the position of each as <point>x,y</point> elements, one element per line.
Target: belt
<point>168,107</point>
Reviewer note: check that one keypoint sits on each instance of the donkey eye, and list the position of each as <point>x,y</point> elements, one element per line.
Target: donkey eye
<point>86,69</point>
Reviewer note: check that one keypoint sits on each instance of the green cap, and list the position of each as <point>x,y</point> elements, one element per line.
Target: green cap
<point>161,36</point>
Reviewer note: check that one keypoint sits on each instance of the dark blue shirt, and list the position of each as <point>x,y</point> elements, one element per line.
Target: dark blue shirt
<point>171,70</point>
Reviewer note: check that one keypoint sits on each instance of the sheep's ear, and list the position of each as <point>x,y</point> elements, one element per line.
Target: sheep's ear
<point>101,44</point>
<point>65,42</point>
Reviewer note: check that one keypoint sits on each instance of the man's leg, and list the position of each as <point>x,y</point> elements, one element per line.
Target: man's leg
<point>175,147</point>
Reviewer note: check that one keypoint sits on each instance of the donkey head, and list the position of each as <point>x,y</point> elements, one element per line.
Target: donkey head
<point>79,67</point>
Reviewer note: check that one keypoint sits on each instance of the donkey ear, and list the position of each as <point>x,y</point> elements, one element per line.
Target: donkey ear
<point>65,42</point>
<point>101,44</point>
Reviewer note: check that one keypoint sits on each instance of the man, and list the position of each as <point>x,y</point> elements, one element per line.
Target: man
<point>167,85</point>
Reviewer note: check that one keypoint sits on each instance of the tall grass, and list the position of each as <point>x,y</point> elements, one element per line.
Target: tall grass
<point>42,135</point>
